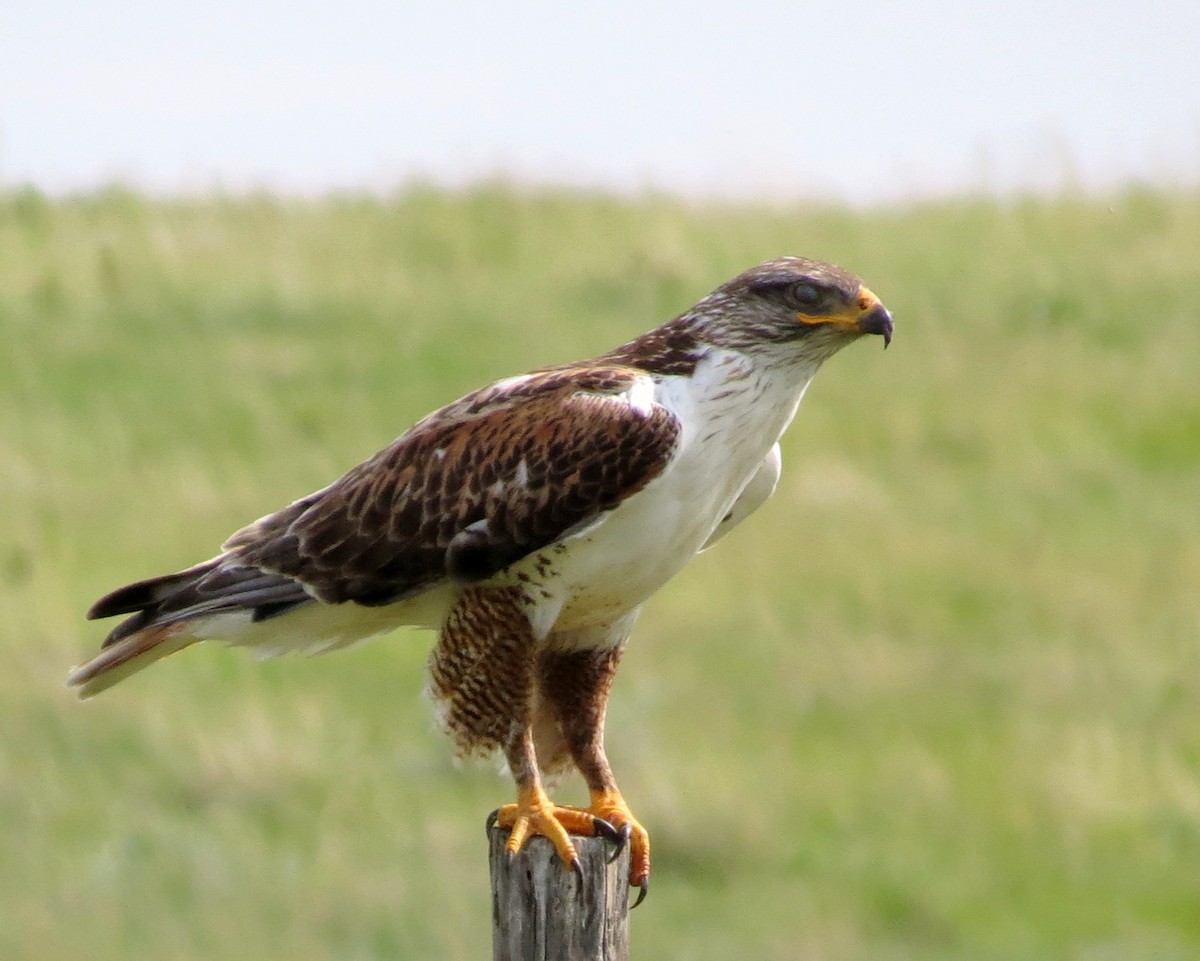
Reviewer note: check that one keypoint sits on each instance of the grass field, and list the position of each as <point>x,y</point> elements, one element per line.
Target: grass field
<point>940,699</point>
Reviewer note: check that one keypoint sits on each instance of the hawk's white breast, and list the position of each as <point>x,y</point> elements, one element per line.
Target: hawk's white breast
<point>731,412</point>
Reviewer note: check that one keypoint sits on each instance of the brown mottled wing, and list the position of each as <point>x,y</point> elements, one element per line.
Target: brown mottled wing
<point>471,488</point>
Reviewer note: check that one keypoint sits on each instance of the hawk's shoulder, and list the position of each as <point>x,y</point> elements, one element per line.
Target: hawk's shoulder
<point>473,487</point>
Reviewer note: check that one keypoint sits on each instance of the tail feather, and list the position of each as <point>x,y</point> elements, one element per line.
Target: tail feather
<point>117,661</point>
<point>165,611</point>
<point>143,594</point>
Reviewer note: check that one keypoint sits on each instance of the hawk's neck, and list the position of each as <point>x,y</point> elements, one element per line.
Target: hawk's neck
<point>672,348</point>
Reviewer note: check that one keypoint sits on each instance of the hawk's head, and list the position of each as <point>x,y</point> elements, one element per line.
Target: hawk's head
<point>813,307</point>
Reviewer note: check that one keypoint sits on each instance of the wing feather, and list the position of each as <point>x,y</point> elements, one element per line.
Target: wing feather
<point>472,488</point>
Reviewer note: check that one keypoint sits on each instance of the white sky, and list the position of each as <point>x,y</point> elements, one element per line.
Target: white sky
<point>862,100</point>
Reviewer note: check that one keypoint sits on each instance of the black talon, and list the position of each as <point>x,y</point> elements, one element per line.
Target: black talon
<point>491,822</point>
<point>622,838</point>
<point>577,868</point>
<point>604,829</point>
<point>643,888</point>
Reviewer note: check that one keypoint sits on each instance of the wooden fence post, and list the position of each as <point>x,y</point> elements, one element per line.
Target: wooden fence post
<point>542,911</point>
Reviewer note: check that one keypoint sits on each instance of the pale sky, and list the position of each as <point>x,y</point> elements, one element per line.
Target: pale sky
<point>864,100</point>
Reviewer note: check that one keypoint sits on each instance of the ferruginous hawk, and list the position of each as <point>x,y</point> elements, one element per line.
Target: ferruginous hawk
<point>527,523</point>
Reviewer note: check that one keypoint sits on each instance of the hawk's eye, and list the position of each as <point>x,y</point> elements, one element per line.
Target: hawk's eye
<point>807,296</point>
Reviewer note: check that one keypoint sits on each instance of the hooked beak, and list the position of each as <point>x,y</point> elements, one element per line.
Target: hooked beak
<point>877,320</point>
<point>874,318</point>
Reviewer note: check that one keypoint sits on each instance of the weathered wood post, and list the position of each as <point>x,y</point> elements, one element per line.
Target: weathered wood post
<point>542,911</point>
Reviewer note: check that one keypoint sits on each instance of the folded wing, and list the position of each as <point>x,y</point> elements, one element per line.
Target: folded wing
<point>467,491</point>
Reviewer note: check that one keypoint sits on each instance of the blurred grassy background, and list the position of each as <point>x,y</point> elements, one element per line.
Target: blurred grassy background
<point>940,699</point>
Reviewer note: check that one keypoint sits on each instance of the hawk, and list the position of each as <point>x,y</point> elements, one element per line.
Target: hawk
<point>527,524</point>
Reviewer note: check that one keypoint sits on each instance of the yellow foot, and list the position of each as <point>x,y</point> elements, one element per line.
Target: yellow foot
<point>608,816</point>
<point>535,814</point>
<point>610,807</point>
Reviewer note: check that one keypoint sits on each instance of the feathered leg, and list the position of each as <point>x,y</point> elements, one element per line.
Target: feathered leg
<point>578,683</point>
<point>482,675</point>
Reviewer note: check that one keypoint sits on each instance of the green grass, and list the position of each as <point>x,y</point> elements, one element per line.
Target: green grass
<point>939,700</point>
